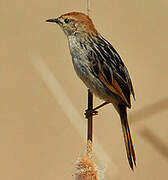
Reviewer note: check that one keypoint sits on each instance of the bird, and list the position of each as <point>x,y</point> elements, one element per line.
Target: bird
<point>100,67</point>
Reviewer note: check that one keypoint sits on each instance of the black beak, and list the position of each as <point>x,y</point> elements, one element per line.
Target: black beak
<point>53,20</point>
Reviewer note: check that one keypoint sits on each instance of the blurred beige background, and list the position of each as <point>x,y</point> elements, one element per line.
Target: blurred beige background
<point>42,128</point>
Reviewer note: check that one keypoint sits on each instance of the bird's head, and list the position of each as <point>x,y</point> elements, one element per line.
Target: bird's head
<point>75,22</point>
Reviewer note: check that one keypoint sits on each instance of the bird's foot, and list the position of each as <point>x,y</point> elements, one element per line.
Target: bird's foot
<point>90,112</point>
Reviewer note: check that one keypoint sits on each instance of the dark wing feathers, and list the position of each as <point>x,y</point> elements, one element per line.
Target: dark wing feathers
<point>107,72</point>
<point>108,66</point>
<point>124,87</point>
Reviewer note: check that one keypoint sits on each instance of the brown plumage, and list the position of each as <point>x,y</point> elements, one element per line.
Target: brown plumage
<point>100,67</point>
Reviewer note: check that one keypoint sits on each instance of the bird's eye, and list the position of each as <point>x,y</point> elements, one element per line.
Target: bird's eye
<point>66,20</point>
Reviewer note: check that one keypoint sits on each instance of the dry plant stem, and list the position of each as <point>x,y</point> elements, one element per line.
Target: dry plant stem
<point>90,107</point>
<point>90,117</point>
<point>90,103</point>
<point>89,149</point>
<point>88,7</point>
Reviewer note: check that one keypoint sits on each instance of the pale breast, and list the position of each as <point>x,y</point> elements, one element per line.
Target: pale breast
<point>82,68</point>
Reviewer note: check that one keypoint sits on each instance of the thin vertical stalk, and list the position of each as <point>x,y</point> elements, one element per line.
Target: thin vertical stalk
<point>90,118</point>
<point>90,107</point>
<point>90,124</point>
<point>88,7</point>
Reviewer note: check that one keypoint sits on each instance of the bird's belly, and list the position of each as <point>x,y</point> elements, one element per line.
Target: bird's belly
<point>92,82</point>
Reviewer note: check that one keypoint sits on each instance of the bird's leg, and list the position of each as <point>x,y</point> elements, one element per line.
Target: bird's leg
<point>94,111</point>
<point>100,106</point>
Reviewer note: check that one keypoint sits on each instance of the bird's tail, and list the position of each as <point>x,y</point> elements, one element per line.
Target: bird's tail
<point>127,136</point>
